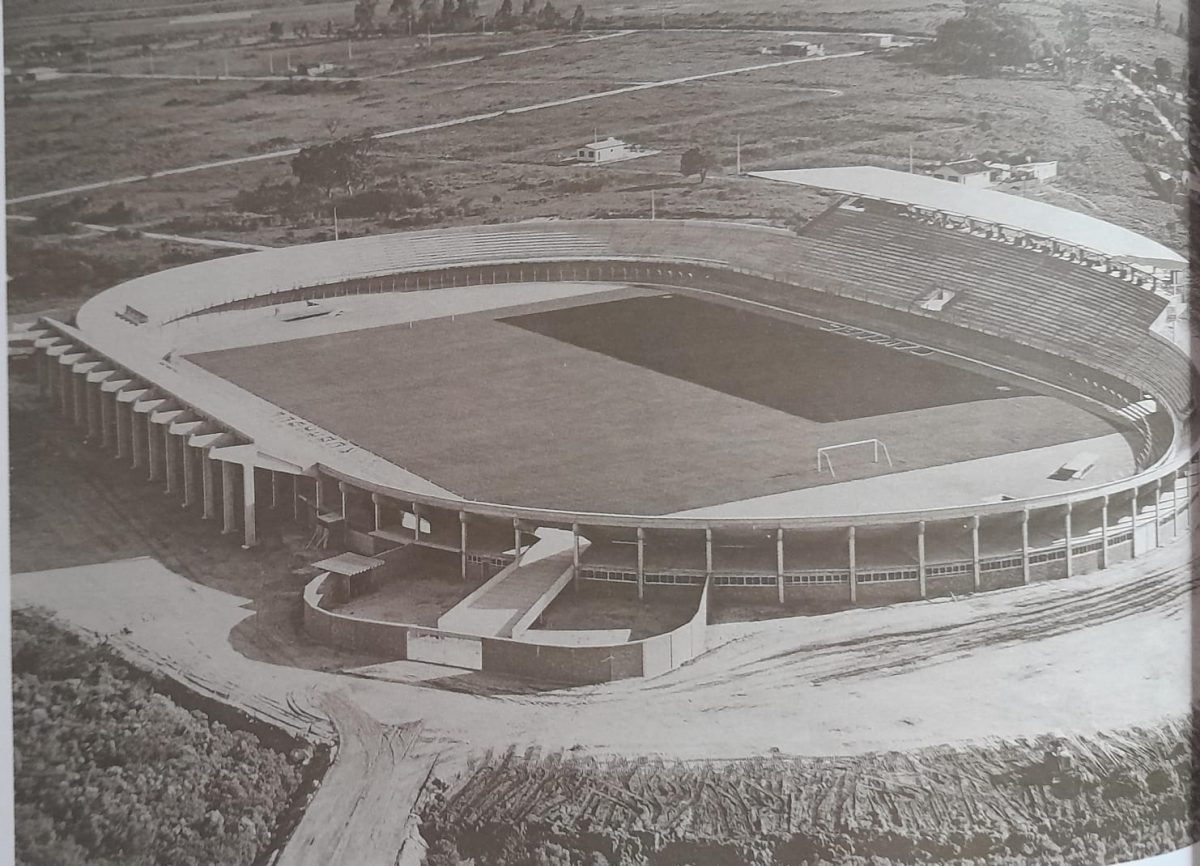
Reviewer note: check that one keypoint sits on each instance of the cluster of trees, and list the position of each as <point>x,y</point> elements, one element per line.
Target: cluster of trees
<point>341,175</point>
<point>457,16</point>
<point>990,36</point>
<point>109,771</point>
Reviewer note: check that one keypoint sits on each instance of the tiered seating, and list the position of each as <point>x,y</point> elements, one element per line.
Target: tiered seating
<point>1054,305</point>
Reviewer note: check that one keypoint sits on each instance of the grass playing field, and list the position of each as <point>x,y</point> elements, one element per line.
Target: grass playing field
<point>639,405</point>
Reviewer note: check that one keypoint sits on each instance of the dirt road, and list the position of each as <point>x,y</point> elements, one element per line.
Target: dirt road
<point>428,127</point>
<point>359,814</point>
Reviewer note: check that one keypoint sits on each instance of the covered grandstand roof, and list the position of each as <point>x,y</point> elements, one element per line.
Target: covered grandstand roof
<point>1013,211</point>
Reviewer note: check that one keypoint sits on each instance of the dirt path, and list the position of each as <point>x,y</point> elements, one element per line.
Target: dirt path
<point>359,814</point>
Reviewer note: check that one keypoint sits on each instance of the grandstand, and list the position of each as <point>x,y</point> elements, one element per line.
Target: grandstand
<point>1036,320</point>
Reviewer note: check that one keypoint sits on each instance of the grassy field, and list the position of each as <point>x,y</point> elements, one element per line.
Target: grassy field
<point>497,412</point>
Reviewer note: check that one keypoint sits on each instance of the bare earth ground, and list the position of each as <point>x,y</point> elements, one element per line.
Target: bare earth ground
<point>1053,657</point>
<point>1071,657</point>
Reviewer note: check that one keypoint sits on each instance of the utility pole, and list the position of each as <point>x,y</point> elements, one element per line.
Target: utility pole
<point>349,49</point>
<point>652,213</point>
<point>739,154</point>
<point>910,159</point>
<point>336,235</point>
<point>270,64</point>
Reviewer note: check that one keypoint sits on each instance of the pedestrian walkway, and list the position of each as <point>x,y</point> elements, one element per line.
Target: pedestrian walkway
<point>502,604</point>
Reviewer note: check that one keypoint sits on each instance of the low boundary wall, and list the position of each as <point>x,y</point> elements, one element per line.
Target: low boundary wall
<point>568,665</point>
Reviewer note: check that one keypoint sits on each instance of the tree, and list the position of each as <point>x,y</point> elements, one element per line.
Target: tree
<point>448,10</point>
<point>578,17</point>
<point>342,163</point>
<point>364,14</point>
<point>988,36</point>
<point>696,161</point>
<point>1163,69</point>
<point>548,17</point>
<point>1181,28</point>
<point>1158,14</point>
<point>504,15</point>
<point>528,9</point>
<point>275,31</point>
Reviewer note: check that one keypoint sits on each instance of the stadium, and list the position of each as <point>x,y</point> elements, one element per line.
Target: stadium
<point>588,439</point>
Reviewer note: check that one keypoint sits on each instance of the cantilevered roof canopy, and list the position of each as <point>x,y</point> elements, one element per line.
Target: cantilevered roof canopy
<point>348,564</point>
<point>1013,211</point>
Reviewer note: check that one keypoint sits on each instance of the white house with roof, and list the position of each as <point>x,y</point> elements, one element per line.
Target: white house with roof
<point>965,172</point>
<point>606,150</point>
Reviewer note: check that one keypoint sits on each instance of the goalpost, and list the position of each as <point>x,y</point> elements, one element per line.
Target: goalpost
<point>877,445</point>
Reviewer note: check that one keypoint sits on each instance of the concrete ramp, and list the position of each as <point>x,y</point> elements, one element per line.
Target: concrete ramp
<point>508,603</point>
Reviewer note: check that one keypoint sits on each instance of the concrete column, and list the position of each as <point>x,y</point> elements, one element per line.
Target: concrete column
<point>462,543</point>
<point>517,539</point>
<point>976,571</point>
<point>206,485</point>
<point>91,395</point>
<point>296,498</point>
<point>136,428</point>
<point>779,563</point>
<point>319,496</point>
<point>153,443</point>
<point>1104,532</point>
<point>79,384</point>
<point>1174,505</point>
<point>1133,516</point>
<point>1187,493</point>
<point>189,472</point>
<point>39,370</point>
<point>108,405</point>
<point>1158,513</point>
<point>169,451</point>
<point>123,423</point>
<point>853,555</point>
<point>922,586</point>
<point>64,388</point>
<point>378,507</point>
<point>342,491</point>
<point>1025,546</point>
<point>248,507</point>
<point>274,488</point>
<point>708,553</point>
<point>641,563</point>
<point>575,555</point>
<point>416,512</point>
<point>1069,541</point>
<point>229,520</point>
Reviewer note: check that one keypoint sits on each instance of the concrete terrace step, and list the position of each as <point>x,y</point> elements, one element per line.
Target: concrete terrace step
<point>499,605</point>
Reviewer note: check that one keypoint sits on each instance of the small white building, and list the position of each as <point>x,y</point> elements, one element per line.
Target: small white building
<point>967,172</point>
<point>800,48</point>
<point>1039,171</point>
<point>606,150</point>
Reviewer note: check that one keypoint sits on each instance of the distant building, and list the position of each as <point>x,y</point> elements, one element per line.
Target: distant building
<point>313,69</point>
<point>1039,171</point>
<point>967,172</point>
<point>33,73</point>
<point>873,40</point>
<point>799,48</point>
<point>606,150</point>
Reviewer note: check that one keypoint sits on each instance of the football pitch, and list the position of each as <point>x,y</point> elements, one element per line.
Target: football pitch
<point>638,405</point>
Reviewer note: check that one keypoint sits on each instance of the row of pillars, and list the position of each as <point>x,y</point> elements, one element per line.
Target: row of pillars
<point>165,454</point>
<point>976,556</point>
<point>122,420</point>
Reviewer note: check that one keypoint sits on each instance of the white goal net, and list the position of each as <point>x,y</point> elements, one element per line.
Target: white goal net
<point>825,454</point>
